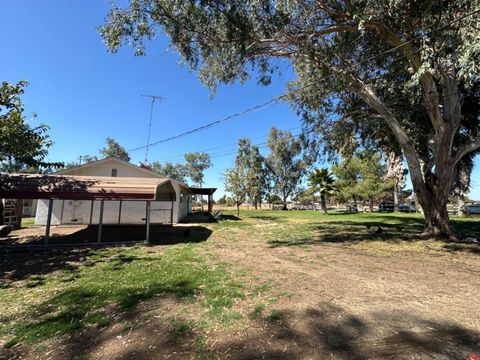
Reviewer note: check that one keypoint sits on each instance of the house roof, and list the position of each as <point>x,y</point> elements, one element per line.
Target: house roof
<point>109,159</point>
<point>122,162</point>
<point>70,187</point>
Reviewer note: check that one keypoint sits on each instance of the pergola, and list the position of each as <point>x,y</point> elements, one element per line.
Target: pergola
<point>205,191</point>
<point>66,187</point>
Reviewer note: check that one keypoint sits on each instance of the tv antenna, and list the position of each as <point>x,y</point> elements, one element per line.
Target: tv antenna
<point>153,98</point>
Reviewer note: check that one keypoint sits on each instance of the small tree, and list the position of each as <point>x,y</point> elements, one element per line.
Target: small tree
<point>361,176</point>
<point>115,150</point>
<point>235,183</point>
<point>373,177</point>
<point>321,181</point>
<point>347,177</point>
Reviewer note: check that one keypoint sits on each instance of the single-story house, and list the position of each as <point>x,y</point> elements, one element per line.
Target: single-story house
<point>83,211</point>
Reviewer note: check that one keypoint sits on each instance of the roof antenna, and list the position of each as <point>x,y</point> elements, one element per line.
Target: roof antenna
<point>153,98</point>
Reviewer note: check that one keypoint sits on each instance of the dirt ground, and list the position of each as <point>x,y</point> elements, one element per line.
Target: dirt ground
<point>332,300</point>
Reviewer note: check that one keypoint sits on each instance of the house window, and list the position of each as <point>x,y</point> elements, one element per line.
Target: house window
<point>114,172</point>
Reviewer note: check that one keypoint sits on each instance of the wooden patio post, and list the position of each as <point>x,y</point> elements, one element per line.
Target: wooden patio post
<point>120,212</point>
<point>147,223</point>
<point>100,221</point>
<point>49,222</point>
<point>91,211</point>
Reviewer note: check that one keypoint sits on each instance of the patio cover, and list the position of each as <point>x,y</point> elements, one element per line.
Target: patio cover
<point>68,187</point>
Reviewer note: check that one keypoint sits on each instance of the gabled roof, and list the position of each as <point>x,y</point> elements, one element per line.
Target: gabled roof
<point>101,161</point>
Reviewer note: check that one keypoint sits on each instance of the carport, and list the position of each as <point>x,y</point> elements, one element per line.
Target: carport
<point>65,187</point>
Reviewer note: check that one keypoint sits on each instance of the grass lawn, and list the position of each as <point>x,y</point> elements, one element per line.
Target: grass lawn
<point>27,222</point>
<point>270,284</point>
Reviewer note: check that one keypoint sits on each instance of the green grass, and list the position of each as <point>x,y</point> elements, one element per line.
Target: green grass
<point>109,284</point>
<point>257,310</point>
<point>27,222</point>
<point>275,314</point>
<point>117,282</point>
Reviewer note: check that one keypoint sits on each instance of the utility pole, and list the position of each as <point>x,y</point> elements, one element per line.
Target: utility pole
<point>153,98</point>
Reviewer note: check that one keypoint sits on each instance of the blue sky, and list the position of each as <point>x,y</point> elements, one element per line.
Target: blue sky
<point>86,94</point>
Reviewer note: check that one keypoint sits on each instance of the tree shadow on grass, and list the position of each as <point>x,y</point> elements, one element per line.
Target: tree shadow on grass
<point>224,217</point>
<point>268,218</point>
<point>352,232</point>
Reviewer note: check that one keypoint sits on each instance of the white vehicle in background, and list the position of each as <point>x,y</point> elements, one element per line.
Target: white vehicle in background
<point>472,209</point>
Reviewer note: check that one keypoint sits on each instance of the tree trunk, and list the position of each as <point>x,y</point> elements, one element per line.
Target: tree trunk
<point>371,205</point>
<point>432,195</point>
<point>461,204</point>
<point>324,203</point>
<point>238,210</point>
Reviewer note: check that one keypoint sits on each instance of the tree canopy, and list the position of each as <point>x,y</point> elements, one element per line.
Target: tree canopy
<point>245,179</point>
<point>362,176</point>
<point>408,64</point>
<point>171,170</point>
<point>196,164</point>
<point>22,147</point>
<point>115,150</point>
<point>284,162</point>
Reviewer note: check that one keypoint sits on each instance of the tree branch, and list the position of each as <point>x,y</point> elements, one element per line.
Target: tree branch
<point>466,149</point>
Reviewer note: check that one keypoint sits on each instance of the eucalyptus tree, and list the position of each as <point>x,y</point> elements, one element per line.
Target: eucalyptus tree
<point>284,163</point>
<point>196,164</point>
<point>240,180</point>
<point>171,170</point>
<point>384,53</point>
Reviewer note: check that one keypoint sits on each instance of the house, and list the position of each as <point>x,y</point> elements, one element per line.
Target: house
<point>116,212</point>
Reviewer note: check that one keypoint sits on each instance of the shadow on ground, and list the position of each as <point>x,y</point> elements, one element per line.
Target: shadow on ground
<point>21,263</point>
<point>330,331</point>
<point>318,332</point>
<point>159,235</point>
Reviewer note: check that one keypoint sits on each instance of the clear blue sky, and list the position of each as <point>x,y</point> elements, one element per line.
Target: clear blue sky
<point>86,94</point>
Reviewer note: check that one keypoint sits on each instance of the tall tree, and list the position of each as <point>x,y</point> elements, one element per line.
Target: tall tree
<point>171,170</point>
<point>384,53</point>
<point>114,150</point>
<point>257,177</point>
<point>196,164</point>
<point>284,162</point>
<point>322,181</point>
<point>22,147</point>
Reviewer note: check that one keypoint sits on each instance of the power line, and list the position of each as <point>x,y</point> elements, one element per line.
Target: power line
<point>170,158</point>
<point>282,96</point>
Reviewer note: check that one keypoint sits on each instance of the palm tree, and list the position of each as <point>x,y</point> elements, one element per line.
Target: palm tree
<point>321,181</point>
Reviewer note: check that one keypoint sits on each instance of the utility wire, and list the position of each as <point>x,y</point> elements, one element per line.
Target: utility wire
<point>282,96</point>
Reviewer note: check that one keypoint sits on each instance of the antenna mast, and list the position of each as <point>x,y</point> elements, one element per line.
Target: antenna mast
<point>153,98</point>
